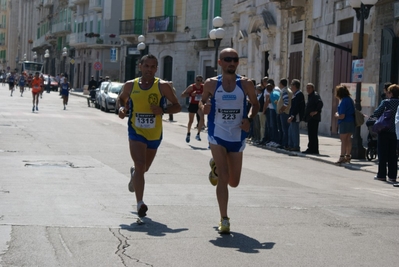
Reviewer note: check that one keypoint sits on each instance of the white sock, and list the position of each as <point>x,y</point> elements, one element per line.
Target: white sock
<point>139,204</point>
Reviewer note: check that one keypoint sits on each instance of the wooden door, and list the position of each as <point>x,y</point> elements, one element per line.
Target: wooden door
<point>342,74</point>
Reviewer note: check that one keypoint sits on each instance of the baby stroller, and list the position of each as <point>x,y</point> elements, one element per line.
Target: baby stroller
<point>371,152</point>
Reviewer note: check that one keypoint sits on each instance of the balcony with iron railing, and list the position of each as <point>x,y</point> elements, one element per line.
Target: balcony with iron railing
<point>48,3</point>
<point>61,28</point>
<point>132,27</point>
<point>39,42</point>
<point>105,39</point>
<point>73,3</point>
<point>96,5</point>
<point>289,4</point>
<point>77,39</point>
<point>162,24</point>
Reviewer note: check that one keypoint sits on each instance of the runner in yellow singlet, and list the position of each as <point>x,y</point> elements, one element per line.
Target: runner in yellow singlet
<point>144,98</point>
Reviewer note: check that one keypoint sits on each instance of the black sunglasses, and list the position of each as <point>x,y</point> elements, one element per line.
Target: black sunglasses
<point>230,59</point>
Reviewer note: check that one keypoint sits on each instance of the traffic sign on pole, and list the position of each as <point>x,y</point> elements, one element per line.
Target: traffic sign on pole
<point>97,65</point>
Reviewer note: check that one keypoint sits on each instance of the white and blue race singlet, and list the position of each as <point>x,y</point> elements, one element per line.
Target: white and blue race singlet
<point>227,111</point>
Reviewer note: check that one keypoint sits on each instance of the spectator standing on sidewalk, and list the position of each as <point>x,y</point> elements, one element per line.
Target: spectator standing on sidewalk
<point>313,118</point>
<point>387,139</point>
<point>262,110</point>
<point>346,122</point>
<point>92,84</point>
<point>283,110</point>
<point>296,114</point>
<point>274,128</point>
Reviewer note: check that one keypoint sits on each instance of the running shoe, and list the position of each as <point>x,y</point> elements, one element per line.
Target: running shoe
<point>224,226</point>
<point>64,107</point>
<point>213,179</point>
<point>142,211</point>
<point>213,167</point>
<point>188,138</point>
<point>130,185</point>
<point>37,108</point>
<point>33,109</point>
<point>197,137</point>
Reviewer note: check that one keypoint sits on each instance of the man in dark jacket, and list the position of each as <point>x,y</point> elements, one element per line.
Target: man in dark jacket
<point>313,117</point>
<point>295,115</point>
<point>92,83</point>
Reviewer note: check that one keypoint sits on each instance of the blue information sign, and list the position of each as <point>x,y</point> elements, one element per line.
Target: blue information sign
<point>113,55</point>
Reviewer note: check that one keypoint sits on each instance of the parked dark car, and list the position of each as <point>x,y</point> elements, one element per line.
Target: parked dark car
<point>109,96</point>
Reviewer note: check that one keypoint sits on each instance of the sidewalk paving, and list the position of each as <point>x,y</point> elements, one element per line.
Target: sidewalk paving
<point>329,147</point>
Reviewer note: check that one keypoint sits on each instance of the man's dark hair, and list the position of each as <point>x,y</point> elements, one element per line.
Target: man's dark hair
<point>386,85</point>
<point>296,82</point>
<point>284,82</point>
<point>271,81</point>
<point>149,56</point>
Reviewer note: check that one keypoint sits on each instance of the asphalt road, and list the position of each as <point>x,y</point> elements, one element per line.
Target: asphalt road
<point>64,200</point>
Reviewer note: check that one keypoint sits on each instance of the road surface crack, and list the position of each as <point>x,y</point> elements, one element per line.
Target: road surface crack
<point>121,249</point>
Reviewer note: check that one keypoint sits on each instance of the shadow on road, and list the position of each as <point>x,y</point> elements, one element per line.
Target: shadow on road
<point>242,242</point>
<point>152,228</point>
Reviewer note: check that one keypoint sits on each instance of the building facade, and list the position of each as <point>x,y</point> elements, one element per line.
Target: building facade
<point>310,40</point>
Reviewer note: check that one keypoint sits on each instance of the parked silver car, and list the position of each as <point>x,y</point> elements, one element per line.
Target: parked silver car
<point>99,93</point>
<point>109,96</point>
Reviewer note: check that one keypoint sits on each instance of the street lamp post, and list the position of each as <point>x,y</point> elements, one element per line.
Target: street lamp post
<point>64,56</point>
<point>362,9</point>
<point>217,35</point>
<point>141,46</point>
<point>47,56</point>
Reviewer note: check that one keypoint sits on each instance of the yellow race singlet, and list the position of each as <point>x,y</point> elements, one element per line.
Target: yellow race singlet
<point>143,121</point>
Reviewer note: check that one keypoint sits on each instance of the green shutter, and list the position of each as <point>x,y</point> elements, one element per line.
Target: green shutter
<point>138,9</point>
<point>138,16</point>
<point>169,7</point>
<point>218,8</point>
<point>204,22</point>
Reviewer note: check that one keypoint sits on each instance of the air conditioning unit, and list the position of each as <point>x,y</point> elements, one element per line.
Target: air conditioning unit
<point>339,6</point>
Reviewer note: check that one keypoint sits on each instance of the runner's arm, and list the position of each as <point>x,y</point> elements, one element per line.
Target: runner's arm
<point>205,104</point>
<point>169,93</point>
<point>123,98</point>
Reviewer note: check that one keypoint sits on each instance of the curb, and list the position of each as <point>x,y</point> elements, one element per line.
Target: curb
<point>299,154</point>
<point>349,166</point>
